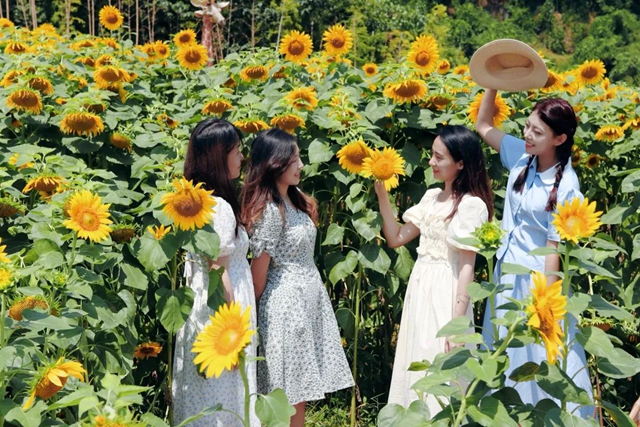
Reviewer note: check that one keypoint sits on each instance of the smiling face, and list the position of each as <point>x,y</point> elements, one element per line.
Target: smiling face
<point>540,140</point>
<point>234,161</point>
<point>444,167</point>
<point>291,174</point>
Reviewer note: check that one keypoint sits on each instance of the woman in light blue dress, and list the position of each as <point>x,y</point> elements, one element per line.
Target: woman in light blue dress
<point>540,178</point>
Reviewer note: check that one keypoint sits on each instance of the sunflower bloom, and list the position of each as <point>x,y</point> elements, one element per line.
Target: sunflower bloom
<point>120,141</point>
<point>337,40</point>
<point>10,78</point>
<point>42,85</point>
<point>440,101</point>
<point>53,378</point>
<point>633,123</point>
<point>16,48</point>
<point>107,76</point>
<point>189,206</point>
<point>489,235</point>
<point>88,216</point>
<point>577,219</point>
<point>162,49</point>
<point>9,207</point>
<point>351,157</point>
<point>111,18</point>
<point>82,124</point>
<point>443,66</point>
<point>26,303</point>
<point>554,82</point>
<point>104,60</point>
<point>370,69</point>
<point>592,161</point>
<point>3,254</point>
<point>296,46</point>
<point>192,57</point>
<point>147,350</point>
<point>159,232</point>
<point>590,72</point>
<point>46,183</point>
<point>384,166</point>
<point>123,233</point>
<point>6,23</point>
<point>171,123</point>
<point>258,72</point>
<point>220,343</point>
<point>410,90</point>
<point>6,278</point>
<point>609,133</point>
<point>85,60</point>
<point>251,126</point>
<point>461,70</point>
<point>424,55</point>
<point>25,100</point>
<point>546,311</point>
<point>302,98</point>
<point>288,122</point>
<point>216,107</point>
<point>185,38</point>
<point>501,110</point>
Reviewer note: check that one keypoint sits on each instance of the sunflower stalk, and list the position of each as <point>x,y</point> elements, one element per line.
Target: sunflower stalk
<point>247,396</point>
<point>492,300</point>
<point>566,286</point>
<point>356,299</point>
<point>174,277</point>
<point>72,258</point>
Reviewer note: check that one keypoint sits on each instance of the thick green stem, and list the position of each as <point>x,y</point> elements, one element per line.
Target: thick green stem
<point>247,394</point>
<point>72,258</point>
<point>492,299</point>
<point>354,369</point>
<point>174,276</point>
<point>566,286</point>
<point>2,344</point>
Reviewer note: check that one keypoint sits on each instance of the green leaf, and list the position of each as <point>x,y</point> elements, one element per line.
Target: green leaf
<point>559,385</point>
<point>508,268</point>
<point>206,411</point>
<point>596,269</point>
<point>525,372</point>
<point>367,224</point>
<point>606,309</point>
<point>375,112</point>
<point>487,371</point>
<point>134,277</point>
<point>14,413</point>
<point>374,258</point>
<point>545,250</point>
<point>174,307</point>
<point>40,248</point>
<point>595,341</point>
<point>619,417</point>
<point>635,255</point>
<point>344,267</point>
<point>419,366</point>
<point>491,412</point>
<point>620,365</point>
<point>334,236</point>
<point>151,420</point>
<point>151,253</point>
<point>480,291</point>
<point>404,263</point>
<point>73,398</point>
<point>577,304</point>
<point>394,415</point>
<point>556,417</point>
<point>347,321</point>
<point>215,291</point>
<point>631,183</point>
<point>274,410</point>
<point>204,241</point>
<point>456,326</point>
<point>319,152</point>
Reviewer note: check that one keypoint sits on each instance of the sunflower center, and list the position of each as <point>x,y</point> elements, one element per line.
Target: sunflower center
<point>383,169</point>
<point>193,56</point>
<point>296,47</point>
<point>162,50</point>
<point>440,100</point>
<point>338,42</point>
<point>110,75</point>
<point>256,72</point>
<point>80,122</point>
<point>357,156</point>
<point>188,203</point>
<point>45,388</point>
<point>545,314</point>
<point>89,220</point>
<point>589,72</point>
<point>228,341</point>
<point>551,80</point>
<point>112,19</point>
<point>185,38</point>
<point>423,58</point>
<point>26,99</point>
<point>407,89</point>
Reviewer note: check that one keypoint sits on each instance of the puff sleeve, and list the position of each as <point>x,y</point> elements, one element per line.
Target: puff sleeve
<point>472,213</point>
<point>416,214</point>
<point>267,231</point>
<point>224,224</point>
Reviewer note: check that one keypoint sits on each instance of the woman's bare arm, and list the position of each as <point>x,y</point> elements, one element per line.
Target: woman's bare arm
<point>395,234</point>
<point>484,124</point>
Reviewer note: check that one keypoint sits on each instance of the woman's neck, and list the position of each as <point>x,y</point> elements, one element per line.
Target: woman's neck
<point>446,193</point>
<point>546,162</point>
<point>283,190</point>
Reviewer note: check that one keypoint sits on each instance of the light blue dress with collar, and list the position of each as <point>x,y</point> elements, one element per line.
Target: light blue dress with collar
<point>528,226</point>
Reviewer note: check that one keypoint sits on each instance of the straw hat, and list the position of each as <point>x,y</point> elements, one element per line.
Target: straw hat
<point>509,65</point>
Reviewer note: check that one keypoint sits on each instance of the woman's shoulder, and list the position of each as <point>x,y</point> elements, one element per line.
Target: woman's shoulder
<point>472,202</point>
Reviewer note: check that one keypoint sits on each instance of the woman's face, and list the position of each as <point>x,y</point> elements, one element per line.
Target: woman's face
<point>291,174</point>
<point>234,161</point>
<point>444,167</point>
<point>539,138</point>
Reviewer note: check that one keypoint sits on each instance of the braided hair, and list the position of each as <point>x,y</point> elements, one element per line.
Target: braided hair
<point>560,117</point>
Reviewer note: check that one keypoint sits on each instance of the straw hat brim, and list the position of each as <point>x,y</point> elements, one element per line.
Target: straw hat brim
<point>508,65</point>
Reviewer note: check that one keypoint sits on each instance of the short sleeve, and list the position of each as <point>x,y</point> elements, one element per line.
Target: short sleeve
<point>415,214</point>
<point>224,224</point>
<point>267,231</point>
<point>511,150</point>
<point>472,213</point>
<point>563,196</point>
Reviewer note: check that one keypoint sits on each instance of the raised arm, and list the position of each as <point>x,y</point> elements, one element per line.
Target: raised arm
<point>484,124</point>
<point>395,234</point>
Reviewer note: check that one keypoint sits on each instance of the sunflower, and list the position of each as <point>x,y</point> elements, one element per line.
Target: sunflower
<point>147,350</point>
<point>410,90</point>
<point>337,40</point>
<point>592,161</point>
<point>188,207</point>
<point>120,141</point>
<point>11,77</point>
<point>104,60</point>
<point>500,113</point>
<point>6,23</point>
<point>443,66</point>
<point>546,310</point>
<point>288,122</point>
<point>609,133</point>
<point>554,82</point>
<point>82,124</point>
<point>26,303</point>
<point>46,183</point>
<point>216,107</point>
<point>220,343</point>
<point>185,38</point>
<point>16,48</point>
<point>109,75</point>
<point>42,85</point>
<point>110,18</point>
<point>577,219</point>
<point>576,156</point>
<point>162,49</point>
<point>25,100</point>
<point>590,72</point>
<point>83,44</point>
<point>351,156</point>
<point>251,125</point>
<point>9,207</point>
<point>88,216</point>
<point>192,57</point>
<point>461,70</point>
<point>123,233</point>
<point>296,46</point>
<point>489,235</point>
<point>87,61</point>
<point>440,101</point>
<point>384,166</point>
<point>6,278</point>
<point>150,50</point>
<point>109,41</point>
<point>303,97</point>
<point>13,161</point>
<point>632,124</point>
<point>53,378</point>
<point>3,254</point>
<point>159,232</point>
<point>166,120</point>
<point>424,54</point>
<point>258,72</point>
<point>370,69</point>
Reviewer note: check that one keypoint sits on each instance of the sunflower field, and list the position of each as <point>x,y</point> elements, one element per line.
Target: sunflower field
<point>96,218</point>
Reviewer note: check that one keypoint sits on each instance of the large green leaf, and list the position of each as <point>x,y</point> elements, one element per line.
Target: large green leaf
<point>606,309</point>
<point>151,253</point>
<point>456,326</point>
<point>491,412</point>
<point>367,223</point>
<point>273,409</point>
<point>319,152</point>
<point>134,278</point>
<point>394,415</point>
<point>346,320</point>
<point>558,384</point>
<point>486,371</point>
<point>174,307</point>
<point>619,417</point>
<point>620,365</point>
<point>374,257</point>
<point>334,235</point>
<point>344,267</point>
<point>631,183</point>
<point>480,291</point>
<point>558,418</point>
<point>404,263</point>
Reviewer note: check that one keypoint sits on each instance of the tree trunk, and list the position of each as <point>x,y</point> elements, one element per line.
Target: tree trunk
<point>137,21</point>
<point>34,14</point>
<point>67,16</point>
<point>253,26</point>
<point>152,21</point>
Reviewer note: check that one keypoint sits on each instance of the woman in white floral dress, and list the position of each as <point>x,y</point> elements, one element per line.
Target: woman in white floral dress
<point>299,335</point>
<point>214,158</point>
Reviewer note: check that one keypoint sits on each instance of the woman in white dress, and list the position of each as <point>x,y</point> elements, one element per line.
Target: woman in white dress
<point>437,289</point>
<point>214,158</point>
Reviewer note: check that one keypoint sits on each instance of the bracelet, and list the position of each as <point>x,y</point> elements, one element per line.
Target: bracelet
<point>463,298</point>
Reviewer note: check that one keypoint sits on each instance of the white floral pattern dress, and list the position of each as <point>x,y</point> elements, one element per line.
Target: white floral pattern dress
<point>191,391</point>
<point>299,335</point>
<point>431,292</point>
